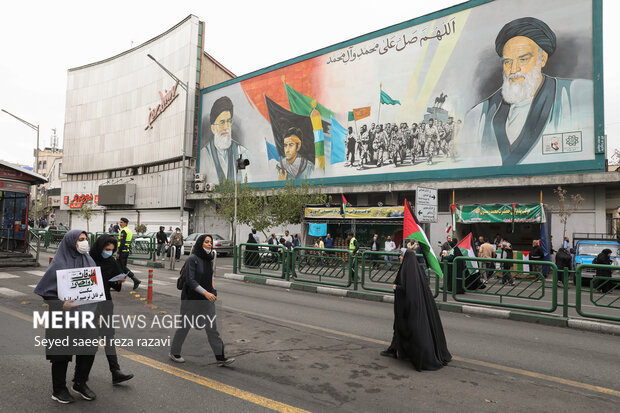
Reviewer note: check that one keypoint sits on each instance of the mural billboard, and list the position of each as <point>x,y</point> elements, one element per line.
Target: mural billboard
<point>487,88</point>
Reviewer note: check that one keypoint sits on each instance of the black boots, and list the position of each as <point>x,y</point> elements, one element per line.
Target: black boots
<point>119,377</point>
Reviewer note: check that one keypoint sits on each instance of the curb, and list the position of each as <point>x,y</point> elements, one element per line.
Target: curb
<point>544,319</point>
<point>142,263</point>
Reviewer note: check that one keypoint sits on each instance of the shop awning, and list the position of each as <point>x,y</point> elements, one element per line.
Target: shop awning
<point>494,213</point>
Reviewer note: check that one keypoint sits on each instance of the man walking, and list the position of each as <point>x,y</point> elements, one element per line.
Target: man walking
<point>124,249</point>
<point>162,240</point>
<point>389,247</point>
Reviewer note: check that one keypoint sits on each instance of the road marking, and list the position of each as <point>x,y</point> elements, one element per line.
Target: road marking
<point>173,278</point>
<point>193,377</point>
<point>32,285</point>
<point>212,384</point>
<point>37,273</point>
<point>500,367</point>
<point>155,282</point>
<point>7,292</point>
<point>5,275</point>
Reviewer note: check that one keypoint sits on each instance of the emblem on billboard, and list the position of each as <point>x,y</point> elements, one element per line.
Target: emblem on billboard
<point>166,100</point>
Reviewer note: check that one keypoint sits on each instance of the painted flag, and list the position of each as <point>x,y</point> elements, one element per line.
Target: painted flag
<point>386,99</point>
<point>448,228</point>
<point>339,136</point>
<point>412,230</point>
<point>272,151</point>
<point>302,104</point>
<point>319,137</point>
<point>466,249</point>
<point>361,113</point>
<point>282,120</point>
<point>351,117</point>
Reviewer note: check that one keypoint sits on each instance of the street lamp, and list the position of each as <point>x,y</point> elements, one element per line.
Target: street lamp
<point>36,160</point>
<point>185,87</point>
<point>239,164</point>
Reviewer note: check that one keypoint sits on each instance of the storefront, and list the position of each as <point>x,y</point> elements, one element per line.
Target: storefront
<point>15,185</point>
<point>362,222</point>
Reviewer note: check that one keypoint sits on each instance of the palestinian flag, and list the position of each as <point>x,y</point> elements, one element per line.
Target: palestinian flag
<point>344,206</point>
<point>466,250</point>
<point>412,230</point>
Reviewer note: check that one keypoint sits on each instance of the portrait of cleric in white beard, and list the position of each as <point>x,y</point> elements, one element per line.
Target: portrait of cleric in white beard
<point>217,157</point>
<point>508,127</point>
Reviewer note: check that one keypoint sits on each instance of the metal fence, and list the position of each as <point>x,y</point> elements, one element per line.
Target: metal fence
<point>512,284</point>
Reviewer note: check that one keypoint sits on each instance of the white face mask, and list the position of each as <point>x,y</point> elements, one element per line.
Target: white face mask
<point>83,247</point>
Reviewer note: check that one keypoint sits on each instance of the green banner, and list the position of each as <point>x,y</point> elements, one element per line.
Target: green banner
<point>523,213</point>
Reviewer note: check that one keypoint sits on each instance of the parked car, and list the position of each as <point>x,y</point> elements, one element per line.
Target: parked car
<point>220,244</point>
<point>587,250</point>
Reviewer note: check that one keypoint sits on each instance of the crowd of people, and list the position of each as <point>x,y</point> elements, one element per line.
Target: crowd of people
<point>390,143</point>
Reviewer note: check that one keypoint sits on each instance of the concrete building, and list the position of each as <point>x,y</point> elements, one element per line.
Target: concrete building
<point>128,127</point>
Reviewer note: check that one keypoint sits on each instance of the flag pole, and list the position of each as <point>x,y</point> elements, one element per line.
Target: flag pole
<point>379,111</point>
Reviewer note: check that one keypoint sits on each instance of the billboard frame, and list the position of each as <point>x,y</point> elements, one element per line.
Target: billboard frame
<point>595,165</point>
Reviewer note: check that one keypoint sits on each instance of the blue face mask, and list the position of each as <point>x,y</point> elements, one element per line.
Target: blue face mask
<point>106,254</point>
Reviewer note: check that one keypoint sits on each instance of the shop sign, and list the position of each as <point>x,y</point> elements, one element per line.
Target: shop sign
<point>80,199</point>
<point>376,212</point>
<point>66,199</point>
<point>312,212</point>
<point>523,213</point>
<point>166,100</point>
<point>356,212</point>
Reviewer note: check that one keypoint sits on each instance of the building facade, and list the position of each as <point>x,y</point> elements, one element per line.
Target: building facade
<point>129,137</point>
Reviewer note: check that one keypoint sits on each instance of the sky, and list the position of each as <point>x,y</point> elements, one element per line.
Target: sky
<point>42,39</point>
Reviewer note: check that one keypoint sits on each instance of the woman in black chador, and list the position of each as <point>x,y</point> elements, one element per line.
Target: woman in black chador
<point>418,333</point>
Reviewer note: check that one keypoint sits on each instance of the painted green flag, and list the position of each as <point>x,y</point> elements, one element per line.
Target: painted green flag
<point>302,104</point>
<point>385,98</point>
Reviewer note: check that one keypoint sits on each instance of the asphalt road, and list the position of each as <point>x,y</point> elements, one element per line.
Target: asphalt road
<point>298,350</point>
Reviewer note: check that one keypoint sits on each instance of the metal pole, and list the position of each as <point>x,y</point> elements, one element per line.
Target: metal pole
<point>235,218</point>
<point>36,187</point>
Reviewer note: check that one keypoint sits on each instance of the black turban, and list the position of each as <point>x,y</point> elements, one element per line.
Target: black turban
<point>529,27</point>
<point>223,104</point>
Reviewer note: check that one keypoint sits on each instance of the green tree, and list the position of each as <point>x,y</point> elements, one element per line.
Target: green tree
<point>264,209</point>
<point>566,206</point>
<point>87,212</point>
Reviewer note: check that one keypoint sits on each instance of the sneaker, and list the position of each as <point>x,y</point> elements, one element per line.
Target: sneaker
<point>225,362</point>
<point>176,358</point>
<point>83,390</point>
<point>136,283</point>
<point>63,396</point>
<point>119,377</point>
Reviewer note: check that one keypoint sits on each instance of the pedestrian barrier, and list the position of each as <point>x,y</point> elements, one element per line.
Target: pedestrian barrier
<point>601,299</point>
<point>377,269</point>
<point>335,267</point>
<point>501,285</point>
<point>267,260</point>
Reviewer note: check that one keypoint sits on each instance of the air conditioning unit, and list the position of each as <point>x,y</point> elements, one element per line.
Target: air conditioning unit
<point>130,171</point>
<point>209,187</point>
<point>199,187</point>
<point>199,177</point>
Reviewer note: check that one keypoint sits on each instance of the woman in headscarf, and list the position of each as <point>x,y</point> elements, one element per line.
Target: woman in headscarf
<point>604,258</point>
<point>418,333</point>
<point>198,301</point>
<point>72,253</point>
<point>102,252</point>
<point>251,258</point>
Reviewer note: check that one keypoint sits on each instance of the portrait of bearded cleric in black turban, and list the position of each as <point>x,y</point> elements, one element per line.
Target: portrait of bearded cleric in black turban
<point>525,120</point>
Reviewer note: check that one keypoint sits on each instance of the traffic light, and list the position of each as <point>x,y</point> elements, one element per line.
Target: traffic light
<point>242,163</point>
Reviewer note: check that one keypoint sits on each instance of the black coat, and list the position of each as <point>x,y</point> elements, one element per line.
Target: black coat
<point>109,266</point>
<point>537,254</point>
<point>198,271</point>
<point>418,332</point>
<point>563,259</point>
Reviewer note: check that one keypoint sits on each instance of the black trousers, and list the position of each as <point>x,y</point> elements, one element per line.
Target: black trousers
<point>83,364</point>
<point>122,260</point>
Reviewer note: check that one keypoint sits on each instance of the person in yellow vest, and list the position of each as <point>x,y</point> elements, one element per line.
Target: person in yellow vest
<point>352,243</point>
<point>124,248</point>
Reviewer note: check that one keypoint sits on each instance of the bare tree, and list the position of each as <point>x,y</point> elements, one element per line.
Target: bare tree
<point>566,205</point>
<point>87,213</point>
